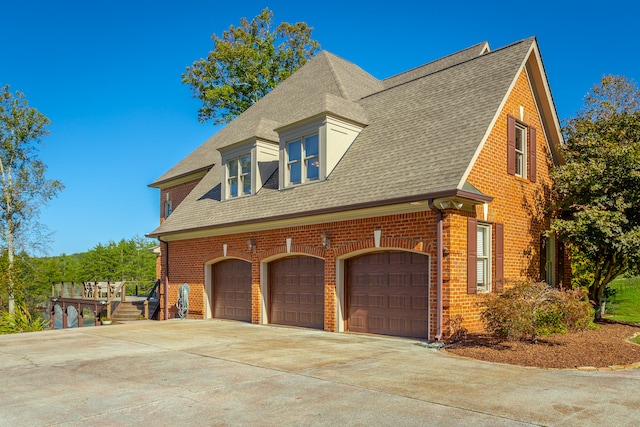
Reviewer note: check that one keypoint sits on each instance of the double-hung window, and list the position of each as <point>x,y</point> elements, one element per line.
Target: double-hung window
<point>483,258</point>
<point>239,176</point>
<point>303,160</point>
<point>521,150</point>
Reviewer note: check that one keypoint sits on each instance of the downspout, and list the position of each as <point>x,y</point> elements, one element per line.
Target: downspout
<point>439,251</point>
<point>166,279</point>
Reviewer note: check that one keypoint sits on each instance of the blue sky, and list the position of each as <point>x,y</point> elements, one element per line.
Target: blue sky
<point>107,74</point>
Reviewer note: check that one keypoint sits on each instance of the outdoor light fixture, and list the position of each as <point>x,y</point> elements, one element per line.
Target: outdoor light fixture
<point>326,240</point>
<point>251,245</point>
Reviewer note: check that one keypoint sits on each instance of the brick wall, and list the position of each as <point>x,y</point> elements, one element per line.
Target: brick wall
<point>518,204</point>
<point>177,194</point>
<point>188,258</point>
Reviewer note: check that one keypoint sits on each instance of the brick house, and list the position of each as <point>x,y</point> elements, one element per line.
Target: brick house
<point>347,203</point>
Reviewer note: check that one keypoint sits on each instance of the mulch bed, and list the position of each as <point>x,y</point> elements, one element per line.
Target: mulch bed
<point>605,346</point>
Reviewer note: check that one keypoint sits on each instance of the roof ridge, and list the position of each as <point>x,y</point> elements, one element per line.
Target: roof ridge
<point>436,60</point>
<point>449,67</point>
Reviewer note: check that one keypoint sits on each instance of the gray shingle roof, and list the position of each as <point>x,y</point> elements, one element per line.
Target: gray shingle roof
<point>421,135</point>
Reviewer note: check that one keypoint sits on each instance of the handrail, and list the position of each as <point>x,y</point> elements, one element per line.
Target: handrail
<point>154,290</point>
<point>122,289</point>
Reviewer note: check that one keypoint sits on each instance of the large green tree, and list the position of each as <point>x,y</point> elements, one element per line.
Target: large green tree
<point>599,186</point>
<point>246,63</point>
<point>23,185</point>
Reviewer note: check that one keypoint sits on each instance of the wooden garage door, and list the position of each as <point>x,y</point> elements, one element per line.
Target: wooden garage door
<point>297,292</point>
<point>387,293</point>
<point>232,290</point>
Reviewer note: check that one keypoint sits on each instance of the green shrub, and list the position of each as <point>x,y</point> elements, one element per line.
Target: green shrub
<point>529,310</point>
<point>21,321</point>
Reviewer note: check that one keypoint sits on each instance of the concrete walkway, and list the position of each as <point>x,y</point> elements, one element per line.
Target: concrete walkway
<point>211,373</point>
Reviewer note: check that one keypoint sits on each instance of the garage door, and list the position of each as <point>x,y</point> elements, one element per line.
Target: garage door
<point>297,292</point>
<point>232,290</point>
<point>387,293</point>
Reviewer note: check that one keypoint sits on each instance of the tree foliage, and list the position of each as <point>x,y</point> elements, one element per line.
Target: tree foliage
<point>599,186</point>
<point>246,63</point>
<point>23,185</point>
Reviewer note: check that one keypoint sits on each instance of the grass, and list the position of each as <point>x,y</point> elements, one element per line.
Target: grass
<point>624,305</point>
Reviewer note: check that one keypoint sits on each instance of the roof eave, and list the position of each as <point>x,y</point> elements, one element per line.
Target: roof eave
<point>471,197</point>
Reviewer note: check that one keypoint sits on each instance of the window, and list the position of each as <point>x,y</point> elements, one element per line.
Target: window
<point>548,259</point>
<point>239,176</point>
<point>168,208</point>
<point>521,151</point>
<point>303,160</point>
<point>483,258</point>
<point>484,273</point>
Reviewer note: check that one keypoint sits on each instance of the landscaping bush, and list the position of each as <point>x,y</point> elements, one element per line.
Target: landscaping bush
<point>21,321</point>
<point>529,310</point>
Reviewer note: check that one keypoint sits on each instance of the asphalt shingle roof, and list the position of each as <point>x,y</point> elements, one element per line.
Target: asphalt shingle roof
<point>422,130</point>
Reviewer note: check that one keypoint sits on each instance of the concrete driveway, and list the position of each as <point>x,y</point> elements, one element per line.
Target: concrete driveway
<point>212,372</point>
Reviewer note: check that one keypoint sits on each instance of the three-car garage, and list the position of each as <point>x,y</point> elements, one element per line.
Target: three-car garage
<point>384,292</point>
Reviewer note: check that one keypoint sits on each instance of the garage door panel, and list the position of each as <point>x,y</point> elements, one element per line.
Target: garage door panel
<point>387,293</point>
<point>231,290</point>
<point>297,291</point>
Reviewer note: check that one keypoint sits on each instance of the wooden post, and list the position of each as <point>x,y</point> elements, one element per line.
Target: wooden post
<point>80,322</point>
<point>123,292</point>
<point>146,309</point>
<point>64,316</point>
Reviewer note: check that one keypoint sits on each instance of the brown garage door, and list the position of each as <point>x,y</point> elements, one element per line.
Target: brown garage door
<point>387,293</point>
<point>232,290</point>
<point>297,292</point>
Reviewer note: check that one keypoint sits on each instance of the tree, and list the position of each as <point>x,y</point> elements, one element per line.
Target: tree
<point>245,64</point>
<point>23,185</point>
<point>599,186</point>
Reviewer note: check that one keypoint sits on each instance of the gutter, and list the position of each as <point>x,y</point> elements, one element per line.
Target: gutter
<point>439,280</point>
<point>463,194</point>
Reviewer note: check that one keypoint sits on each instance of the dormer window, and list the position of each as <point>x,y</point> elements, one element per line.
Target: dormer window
<point>310,149</point>
<point>239,176</point>
<point>246,166</point>
<point>303,160</point>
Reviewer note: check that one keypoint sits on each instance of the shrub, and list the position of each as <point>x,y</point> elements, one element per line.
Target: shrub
<point>529,310</point>
<point>21,321</point>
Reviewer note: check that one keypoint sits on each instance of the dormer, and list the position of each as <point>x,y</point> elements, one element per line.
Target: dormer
<point>248,164</point>
<point>310,148</point>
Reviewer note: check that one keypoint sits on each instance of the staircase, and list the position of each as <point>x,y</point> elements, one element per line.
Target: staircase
<point>127,311</point>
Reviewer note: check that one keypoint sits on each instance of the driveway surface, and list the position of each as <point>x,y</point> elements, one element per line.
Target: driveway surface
<point>216,373</point>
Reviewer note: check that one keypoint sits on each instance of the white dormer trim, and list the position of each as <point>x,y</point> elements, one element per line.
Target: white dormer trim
<point>264,161</point>
<point>335,136</point>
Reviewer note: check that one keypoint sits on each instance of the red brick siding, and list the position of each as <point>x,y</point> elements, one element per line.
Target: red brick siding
<point>413,231</point>
<point>518,204</point>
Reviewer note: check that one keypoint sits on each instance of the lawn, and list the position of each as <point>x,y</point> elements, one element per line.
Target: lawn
<point>624,304</point>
